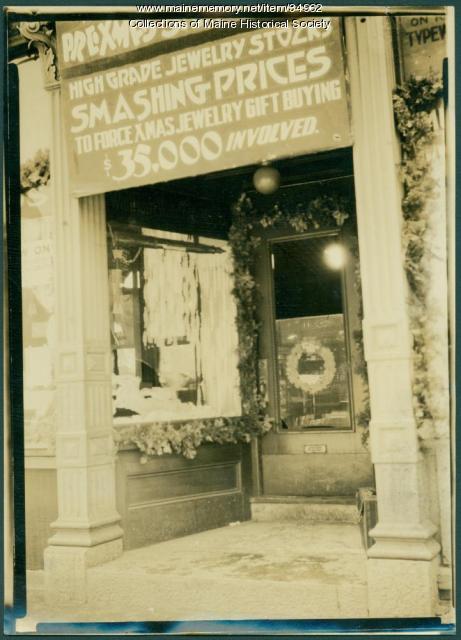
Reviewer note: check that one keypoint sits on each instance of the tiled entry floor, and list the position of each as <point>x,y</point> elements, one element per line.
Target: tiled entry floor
<point>252,570</point>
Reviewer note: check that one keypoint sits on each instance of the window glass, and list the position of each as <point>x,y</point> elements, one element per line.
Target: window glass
<point>174,336</point>
<point>312,360</point>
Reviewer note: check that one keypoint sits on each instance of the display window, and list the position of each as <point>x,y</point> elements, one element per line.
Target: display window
<point>174,340</point>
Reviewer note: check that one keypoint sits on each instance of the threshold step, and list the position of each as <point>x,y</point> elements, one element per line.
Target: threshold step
<point>304,499</point>
<point>334,509</point>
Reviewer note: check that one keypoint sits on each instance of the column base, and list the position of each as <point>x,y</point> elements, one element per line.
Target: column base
<point>65,569</point>
<point>75,534</point>
<point>404,542</point>
<point>402,588</point>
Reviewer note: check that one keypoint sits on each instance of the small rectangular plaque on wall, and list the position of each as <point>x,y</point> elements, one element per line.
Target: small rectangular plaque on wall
<point>315,448</point>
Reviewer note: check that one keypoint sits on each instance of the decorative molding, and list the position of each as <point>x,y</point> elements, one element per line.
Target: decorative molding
<point>386,340</point>
<point>98,406</point>
<point>39,460</point>
<point>68,363</point>
<point>101,446</point>
<point>70,451</point>
<point>409,542</point>
<point>394,442</point>
<point>96,362</point>
<point>41,36</point>
<point>40,436</point>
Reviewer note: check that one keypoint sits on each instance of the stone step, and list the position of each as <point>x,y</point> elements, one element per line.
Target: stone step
<point>337,509</point>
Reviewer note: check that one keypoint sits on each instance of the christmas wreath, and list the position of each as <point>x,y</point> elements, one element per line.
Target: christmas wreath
<point>311,382</point>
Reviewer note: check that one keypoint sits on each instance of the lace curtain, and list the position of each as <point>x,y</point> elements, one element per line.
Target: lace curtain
<point>219,340</point>
<point>188,297</point>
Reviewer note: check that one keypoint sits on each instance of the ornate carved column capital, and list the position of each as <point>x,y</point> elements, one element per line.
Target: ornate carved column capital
<point>41,35</point>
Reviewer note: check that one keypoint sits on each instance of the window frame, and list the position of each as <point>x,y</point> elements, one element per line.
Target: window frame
<point>139,238</point>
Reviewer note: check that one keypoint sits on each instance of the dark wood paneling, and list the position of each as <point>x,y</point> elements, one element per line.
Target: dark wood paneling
<point>154,487</point>
<point>170,496</point>
<point>163,521</point>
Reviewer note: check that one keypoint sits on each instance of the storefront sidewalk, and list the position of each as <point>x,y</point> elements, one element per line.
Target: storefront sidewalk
<point>252,570</point>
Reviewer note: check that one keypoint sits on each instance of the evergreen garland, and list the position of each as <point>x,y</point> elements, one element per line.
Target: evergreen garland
<point>414,101</point>
<point>35,172</point>
<point>184,438</point>
<point>322,212</point>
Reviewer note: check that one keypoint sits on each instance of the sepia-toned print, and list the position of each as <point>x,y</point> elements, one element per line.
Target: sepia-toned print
<point>230,249</point>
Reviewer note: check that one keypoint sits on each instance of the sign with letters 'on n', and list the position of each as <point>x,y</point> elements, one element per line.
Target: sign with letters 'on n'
<point>246,98</point>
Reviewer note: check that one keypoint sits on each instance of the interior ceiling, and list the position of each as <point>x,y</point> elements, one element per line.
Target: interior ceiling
<point>226,186</point>
<point>201,205</point>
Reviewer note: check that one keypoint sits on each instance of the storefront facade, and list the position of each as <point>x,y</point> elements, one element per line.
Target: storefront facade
<point>253,328</point>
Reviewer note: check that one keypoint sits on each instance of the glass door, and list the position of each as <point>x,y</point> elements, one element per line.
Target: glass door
<point>312,369</point>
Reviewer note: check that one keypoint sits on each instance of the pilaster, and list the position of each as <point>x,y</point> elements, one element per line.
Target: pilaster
<point>436,328</point>
<point>87,530</point>
<point>402,566</point>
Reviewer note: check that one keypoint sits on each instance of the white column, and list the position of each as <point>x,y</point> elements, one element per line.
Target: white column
<point>437,436</point>
<point>402,564</point>
<point>87,530</point>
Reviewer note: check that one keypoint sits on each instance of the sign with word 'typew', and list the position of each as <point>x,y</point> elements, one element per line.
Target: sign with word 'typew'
<point>247,98</point>
<point>422,45</point>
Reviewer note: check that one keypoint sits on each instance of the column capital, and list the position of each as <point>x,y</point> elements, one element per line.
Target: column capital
<point>41,36</point>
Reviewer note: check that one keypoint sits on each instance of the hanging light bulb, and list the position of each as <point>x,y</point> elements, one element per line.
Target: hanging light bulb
<point>266,180</point>
<point>335,256</point>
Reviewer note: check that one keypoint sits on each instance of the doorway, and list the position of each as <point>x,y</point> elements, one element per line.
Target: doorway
<point>309,352</point>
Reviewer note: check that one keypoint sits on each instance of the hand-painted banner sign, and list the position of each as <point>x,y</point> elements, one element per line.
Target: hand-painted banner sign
<point>94,41</point>
<point>245,99</point>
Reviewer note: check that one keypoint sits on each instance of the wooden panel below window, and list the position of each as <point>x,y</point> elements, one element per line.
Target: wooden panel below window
<point>171,485</point>
<point>156,522</point>
<point>171,496</point>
